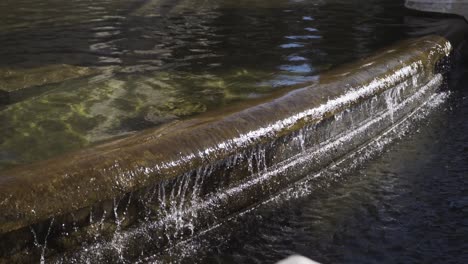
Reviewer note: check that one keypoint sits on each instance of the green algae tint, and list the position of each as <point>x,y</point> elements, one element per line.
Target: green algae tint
<point>79,73</point>
<point>78,113</point>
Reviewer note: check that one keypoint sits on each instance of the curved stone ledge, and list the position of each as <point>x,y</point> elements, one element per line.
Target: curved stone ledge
<point>229,149</point>
<point>458,7</point>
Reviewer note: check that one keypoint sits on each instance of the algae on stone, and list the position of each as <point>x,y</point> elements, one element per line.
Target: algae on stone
<point>14,80</point>
<point>77,113</point>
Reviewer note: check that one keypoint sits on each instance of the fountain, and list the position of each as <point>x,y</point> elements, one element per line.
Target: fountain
<point>161,186</point>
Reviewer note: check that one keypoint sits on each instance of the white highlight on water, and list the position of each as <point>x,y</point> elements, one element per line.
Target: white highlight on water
<point>179,211</point>
<point>341,166</point>
<point>348,98</point>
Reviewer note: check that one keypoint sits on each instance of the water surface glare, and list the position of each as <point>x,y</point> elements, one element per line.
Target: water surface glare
<point>80,73</point>
<point>408,205</point>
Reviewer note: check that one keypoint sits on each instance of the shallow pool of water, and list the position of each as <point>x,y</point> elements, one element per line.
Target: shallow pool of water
<point>79,73</point>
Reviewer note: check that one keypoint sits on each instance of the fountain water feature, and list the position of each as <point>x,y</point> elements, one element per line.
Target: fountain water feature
<point>162,186</point>
<point>300,163</point>
<point>191,248</point>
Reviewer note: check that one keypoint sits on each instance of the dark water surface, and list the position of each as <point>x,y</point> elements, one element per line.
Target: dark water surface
<point>85,71</point>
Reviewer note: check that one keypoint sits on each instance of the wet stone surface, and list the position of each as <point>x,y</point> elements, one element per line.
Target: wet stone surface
<point>408,205</point>
<point>74,114</point>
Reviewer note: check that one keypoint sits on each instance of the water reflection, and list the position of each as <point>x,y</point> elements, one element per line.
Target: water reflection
<point>302,68</point>
<point>292,45</point>
<point>157,61</point>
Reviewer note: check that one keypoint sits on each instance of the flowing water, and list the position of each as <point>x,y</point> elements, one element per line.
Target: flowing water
<point>81,72</point>
<point>409,205</point>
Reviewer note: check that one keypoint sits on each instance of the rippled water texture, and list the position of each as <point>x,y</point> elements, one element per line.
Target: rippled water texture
<point>79,72</point>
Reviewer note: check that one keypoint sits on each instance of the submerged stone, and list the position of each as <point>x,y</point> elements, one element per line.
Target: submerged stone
<point>78,113</point>
<point>16,81</point>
